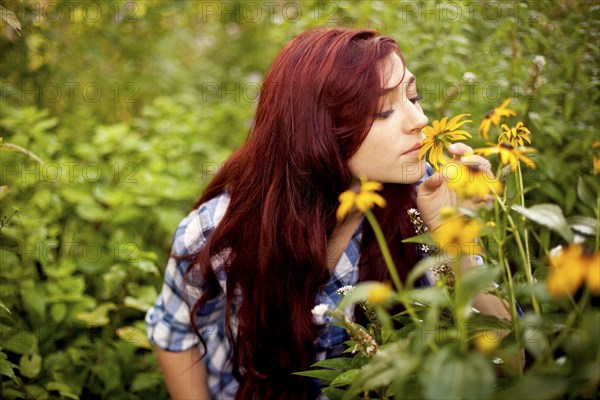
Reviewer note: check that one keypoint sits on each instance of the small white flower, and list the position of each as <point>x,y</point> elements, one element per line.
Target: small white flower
<point>344,290</point>
<point>469,77</point>
<point>318,313</point>
<point>540,61</point>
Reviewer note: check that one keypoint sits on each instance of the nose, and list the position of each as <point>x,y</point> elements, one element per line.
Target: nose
<point>418,120</point>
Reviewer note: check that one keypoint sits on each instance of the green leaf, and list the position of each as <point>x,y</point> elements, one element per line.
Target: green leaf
<point>392,363</point>
<point>146,380</point>
<point>6,367</point>
<point>345,378</point>
<point>326,375</point>
<point>21,343</point>
<point>98,317</point>
<point>584,193</point>
<point>535,386</point>
<point>474,281</point>
<point>135,336</point>
<point>34,298</point>
<point>58,312</point>
<point>427,263</point>
<point>424,238</point>
<point>549,215</point>
<point>340,364</point>
<point>431,295</point>
<point>334,393</point>
<point>63,389</point>
<point>37,392</point>
<point>456,376</point>
<point>30,365</point>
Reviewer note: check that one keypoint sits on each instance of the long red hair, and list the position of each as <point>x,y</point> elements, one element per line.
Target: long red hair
<point>317,104</point>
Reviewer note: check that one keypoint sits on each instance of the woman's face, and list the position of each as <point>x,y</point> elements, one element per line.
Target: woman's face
<point>389,154</point>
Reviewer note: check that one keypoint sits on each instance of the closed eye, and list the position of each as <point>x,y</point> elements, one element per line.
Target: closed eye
<point>415,99</point>
<point>384,114</point>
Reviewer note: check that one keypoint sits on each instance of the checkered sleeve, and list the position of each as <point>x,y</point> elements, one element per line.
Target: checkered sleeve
<point>168,322</point>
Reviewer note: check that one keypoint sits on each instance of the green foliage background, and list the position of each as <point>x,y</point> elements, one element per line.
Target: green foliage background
<point>133,105</point>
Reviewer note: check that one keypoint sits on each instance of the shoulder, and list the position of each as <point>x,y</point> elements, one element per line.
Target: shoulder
<point>196,227</point>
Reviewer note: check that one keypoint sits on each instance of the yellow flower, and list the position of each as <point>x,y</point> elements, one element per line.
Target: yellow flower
<point>509,155</point>
<point>364,200</point>
<point>515,136</point>
<point>493,117</point>
<point>440,135</point>
<point>487,341</point>
<point>596,165</point>
<point>379,294</point>
<point>570,268</point>
<point>457,235</point>
<point>470,180</point>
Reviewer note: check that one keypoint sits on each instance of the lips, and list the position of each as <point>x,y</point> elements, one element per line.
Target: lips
<point>415,147</point>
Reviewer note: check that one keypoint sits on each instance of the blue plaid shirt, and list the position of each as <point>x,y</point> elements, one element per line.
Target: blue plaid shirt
<point>168,321</point>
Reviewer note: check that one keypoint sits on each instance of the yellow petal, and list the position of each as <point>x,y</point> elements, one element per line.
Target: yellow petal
<point>505,103</point>
<point>371,186</point>
<point>454,124</point>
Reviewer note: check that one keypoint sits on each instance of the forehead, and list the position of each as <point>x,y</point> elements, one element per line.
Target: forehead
<point>395,72</point>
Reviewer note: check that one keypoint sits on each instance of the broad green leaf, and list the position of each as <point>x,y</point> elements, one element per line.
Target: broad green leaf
<point>63,389</point>
<point>548,215</point>
<point>345,378</point>
<point>418,270</point>
<point>33,296</point>
<point>457,376</point>
<point>6,367</point>
<point>535,386</point>
<point>334,393</point>
<point>146,380</point>
<point>431,295</point>
<point>38,392</point>
<point>21,343</point>
<point>585,194</point>
<point>97,317</point>
<point>135,336</point>
<point>30,365</point>
<point>58,312</point>
<point>473,281</point>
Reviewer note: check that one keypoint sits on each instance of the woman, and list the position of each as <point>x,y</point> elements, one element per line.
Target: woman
<point>263,245</point>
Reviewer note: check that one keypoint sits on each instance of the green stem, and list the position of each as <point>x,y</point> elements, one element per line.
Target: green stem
<point>564,332</point>
<point>389,262</point>
<point>387,257</point>
<point>522,252</point>
<point>525,251</point>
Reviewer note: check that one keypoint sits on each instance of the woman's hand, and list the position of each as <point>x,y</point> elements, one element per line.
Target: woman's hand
<point>434,194</point>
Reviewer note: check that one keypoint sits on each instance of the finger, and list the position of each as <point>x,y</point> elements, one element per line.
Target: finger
<point>479,162</point>
<point>432,183</point>
<point>460,149</point>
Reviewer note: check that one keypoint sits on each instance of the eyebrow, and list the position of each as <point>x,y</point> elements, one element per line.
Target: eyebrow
<point>396,87</point>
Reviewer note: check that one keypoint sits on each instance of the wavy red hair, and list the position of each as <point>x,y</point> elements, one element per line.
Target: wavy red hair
<point>317,104</point>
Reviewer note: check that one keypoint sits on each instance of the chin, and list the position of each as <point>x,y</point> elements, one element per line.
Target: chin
<point>412,172</point>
